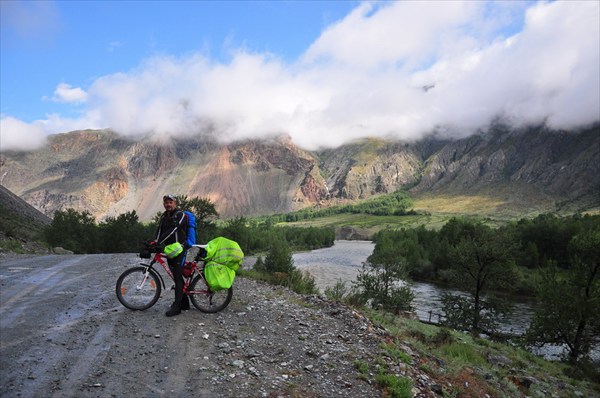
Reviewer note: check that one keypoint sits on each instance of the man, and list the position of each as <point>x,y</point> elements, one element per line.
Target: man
<point>172,232</point>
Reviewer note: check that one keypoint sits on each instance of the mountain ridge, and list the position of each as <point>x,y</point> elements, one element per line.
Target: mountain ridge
<point>105,174</point>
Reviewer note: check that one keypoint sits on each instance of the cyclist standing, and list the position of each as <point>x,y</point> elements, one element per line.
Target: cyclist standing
<point>172,232</point>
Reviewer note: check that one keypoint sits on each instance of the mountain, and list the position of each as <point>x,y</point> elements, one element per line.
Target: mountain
<point>21,225</point>
<point>527,169</point>
<point>105,174</point>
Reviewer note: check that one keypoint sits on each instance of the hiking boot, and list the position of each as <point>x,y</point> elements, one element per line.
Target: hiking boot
<point>174,310</point>
<point>185,303</point>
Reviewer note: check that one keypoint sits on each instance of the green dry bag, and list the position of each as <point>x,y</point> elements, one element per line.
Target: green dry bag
<point>224,251</point>
<point>223,257</point>
<point>218,276</point>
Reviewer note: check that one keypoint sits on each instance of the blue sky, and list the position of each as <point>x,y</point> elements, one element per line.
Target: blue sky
<point>324,72</point>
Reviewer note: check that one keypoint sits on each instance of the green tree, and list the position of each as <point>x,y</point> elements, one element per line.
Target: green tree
<point>570,310</point>
<point>481,261</point>
<point>279,258</point>
<point>73,231</point>
<point>383,278</point>
<point>279,266</point>
<point>121,234</point>
<point>237,229</point>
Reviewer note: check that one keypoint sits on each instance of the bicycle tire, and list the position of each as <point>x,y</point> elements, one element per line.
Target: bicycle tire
<point>138,299</point>
<point>209,302</point>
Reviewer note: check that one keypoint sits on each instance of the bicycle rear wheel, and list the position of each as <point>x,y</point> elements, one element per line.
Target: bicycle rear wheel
<point>205,299</point>
<point>137,290</point>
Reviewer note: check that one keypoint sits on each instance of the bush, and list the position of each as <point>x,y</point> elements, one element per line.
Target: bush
<point>337,292</point>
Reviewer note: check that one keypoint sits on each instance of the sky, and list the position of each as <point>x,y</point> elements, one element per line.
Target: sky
<point>323,72</point>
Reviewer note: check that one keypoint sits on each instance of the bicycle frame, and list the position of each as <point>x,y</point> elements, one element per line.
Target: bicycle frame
<point>161,258</point>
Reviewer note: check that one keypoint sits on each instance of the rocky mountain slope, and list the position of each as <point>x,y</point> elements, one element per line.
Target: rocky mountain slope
<point>21,224</point>
<point>105,174</point>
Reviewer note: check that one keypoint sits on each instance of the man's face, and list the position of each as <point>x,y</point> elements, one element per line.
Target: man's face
<point>169,204</point>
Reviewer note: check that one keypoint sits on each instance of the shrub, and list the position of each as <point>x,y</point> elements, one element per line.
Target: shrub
<point>337,292</point>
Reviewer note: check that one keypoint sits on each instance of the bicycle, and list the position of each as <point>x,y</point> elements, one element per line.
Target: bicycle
<point>139,288</point>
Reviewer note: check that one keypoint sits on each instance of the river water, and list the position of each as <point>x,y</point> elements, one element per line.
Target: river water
<point>343,262</point>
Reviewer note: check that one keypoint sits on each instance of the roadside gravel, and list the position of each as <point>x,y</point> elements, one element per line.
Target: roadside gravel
<point>64,334</point>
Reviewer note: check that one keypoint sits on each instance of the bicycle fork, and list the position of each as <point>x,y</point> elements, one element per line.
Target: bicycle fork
<point>147,272</point>
<point>144,279</point>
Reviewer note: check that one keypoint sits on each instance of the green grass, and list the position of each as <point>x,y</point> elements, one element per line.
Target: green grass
<point>13,246</point>
<point>362,367</point>
<point>460,358</point>
<point>396,387</point>
<point>397,354</point>
<point>434,213</point>
<point>463,354</point>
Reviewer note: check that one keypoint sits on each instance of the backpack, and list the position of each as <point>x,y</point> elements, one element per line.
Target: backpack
<point>191,229</point>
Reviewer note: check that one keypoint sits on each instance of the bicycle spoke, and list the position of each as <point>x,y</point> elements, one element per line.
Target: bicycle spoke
<point>138,288</point>
<point>206,300</point>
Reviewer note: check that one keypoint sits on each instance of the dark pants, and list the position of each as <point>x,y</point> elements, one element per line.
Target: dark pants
<point>175,265</point>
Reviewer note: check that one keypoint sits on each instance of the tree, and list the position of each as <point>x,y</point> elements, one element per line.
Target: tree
<point>121,234</point>
<point>73,231</point>
<point>383,278</point>
<point>279,266</point>
<point>481,261</point>
<point>279,259</point>
<point>570,309</point>
<point>206,215</point>
<point>237,229</point>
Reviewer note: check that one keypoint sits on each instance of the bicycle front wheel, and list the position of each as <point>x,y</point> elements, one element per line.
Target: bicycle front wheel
<point>138,289</point>
<point>205,299</point>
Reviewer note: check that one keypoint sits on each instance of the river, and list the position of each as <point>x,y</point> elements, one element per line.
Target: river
<point>343,262</point>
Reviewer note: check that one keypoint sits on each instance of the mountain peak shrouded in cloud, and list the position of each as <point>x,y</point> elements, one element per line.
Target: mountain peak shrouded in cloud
<point>390,69</point>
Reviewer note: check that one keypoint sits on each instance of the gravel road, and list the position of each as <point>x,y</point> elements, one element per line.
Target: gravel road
<point>64,334</point>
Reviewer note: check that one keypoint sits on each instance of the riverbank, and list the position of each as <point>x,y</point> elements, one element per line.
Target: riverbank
<point>343,262</point>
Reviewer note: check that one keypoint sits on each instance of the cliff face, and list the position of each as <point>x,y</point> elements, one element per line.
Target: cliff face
<point>535,165</point>
<point>99,172</point>
<point>104,174</point>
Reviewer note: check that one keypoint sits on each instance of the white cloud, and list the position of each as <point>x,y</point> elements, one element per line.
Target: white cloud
<point>20,136</point>
<point>364,76</point>
<point>65,93</point>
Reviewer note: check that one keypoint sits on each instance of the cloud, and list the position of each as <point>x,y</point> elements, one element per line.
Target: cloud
<point>113,45</point>
<point>400,69</point>
<point>20,136</point>
<point>65,93</point>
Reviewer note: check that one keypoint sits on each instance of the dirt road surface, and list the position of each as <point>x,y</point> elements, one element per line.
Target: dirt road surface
<point>64,334</point>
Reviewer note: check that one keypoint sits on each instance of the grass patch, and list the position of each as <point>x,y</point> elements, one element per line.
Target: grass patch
<point>13,246</point>
<point>463,354</point>
<point>362,367</point>
<point>433,213</point>
<point>480,205</point>
<point>396,353</point>
<point>396,387</point>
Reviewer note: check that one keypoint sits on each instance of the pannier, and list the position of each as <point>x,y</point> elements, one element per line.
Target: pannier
<point>223,257</point>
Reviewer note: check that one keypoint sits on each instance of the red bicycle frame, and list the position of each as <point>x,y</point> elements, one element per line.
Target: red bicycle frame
<point>193,265</point>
